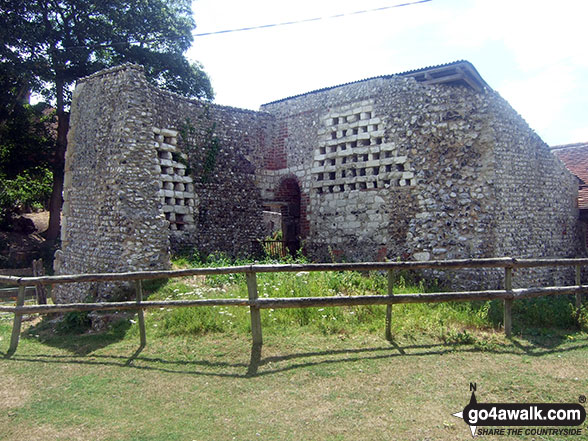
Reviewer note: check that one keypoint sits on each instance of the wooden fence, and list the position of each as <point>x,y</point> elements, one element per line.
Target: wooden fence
<point>255,304</point>
<point>37,292</point>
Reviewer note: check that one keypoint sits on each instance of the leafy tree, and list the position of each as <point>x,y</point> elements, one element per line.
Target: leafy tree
<point>48,44</point>
<point>26,147</point>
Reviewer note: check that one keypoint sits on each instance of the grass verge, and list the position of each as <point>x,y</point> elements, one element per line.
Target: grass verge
<point>323,374</point>
<point>306,385</point>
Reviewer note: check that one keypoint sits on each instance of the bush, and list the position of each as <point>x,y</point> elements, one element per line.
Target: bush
<point>27,142</point>
<point>75,322</point>
<point>29,190</point>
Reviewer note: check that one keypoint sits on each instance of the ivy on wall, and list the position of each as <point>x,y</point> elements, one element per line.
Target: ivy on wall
<point>201,144</point>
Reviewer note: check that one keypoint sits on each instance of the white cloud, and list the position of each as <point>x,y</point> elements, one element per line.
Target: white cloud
<point>531,51</point>
<point>537,32</point>
<point>541,98</point>
<point>579,135</point>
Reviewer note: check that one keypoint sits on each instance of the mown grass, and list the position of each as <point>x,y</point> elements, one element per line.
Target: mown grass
<point>323,374</point>
<point>307,385</point>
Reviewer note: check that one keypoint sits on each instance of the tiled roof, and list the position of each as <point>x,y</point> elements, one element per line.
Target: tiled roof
<point>575,158</point>
<point>461,71</point>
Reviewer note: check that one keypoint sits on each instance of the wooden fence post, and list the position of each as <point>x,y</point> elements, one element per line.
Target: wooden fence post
<point>389,307</point>
<point>40,291</point>
<point>254,310</point>
<point>17,323</point>
<point>508,302</point>
<point>578,282</point>
<point>140,312</point>
<point>578,295</point>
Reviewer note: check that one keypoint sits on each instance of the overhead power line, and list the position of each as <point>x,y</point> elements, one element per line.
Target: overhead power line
<point>250,28</point>
<point>308,20</point>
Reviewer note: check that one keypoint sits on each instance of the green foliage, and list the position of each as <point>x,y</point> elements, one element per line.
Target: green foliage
<point>51,43</point>
<point>29,190</point>
<point>459,337</point>
<point>270,285</point>
<point>450,322</point>
<point>202,145</point>
<point>26,143</point>
<point>549,311</point>
<point>215,260</point>
<point>583,318</point>
<point>278,235</point>
<point>48,45</point>
<point>74,322</point>
<point>442,320</point>
<point>26,138</point>
<point>541,312</point>
<point>193,321</point>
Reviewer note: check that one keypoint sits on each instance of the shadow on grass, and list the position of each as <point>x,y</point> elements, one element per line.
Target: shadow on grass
<point>397,350</point>
<point>540,341</point>
<point>70,332</point>
<point>260,366</point>
<point>77,343</point>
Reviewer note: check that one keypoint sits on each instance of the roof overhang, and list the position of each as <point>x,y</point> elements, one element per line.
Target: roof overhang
<point>458,73</point>
<point>461,73</point>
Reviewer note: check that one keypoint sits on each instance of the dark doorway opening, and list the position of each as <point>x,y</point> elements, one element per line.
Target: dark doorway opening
<point>289,195</point>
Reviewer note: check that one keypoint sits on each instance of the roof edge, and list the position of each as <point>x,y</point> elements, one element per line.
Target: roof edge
<point>461,70</point>
<point>569,146</point>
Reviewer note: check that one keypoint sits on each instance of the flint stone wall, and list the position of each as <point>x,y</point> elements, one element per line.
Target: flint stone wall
<point>396,169</point>
<point>388,168</point>
<point>111,217</point>
<point>228,214</point>
<point>135,183</point>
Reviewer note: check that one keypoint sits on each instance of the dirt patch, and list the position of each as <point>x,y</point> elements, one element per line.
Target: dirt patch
<point>13,393</point>
<point>45,432</point>
<point>17,250</point>
<point>40,219</point>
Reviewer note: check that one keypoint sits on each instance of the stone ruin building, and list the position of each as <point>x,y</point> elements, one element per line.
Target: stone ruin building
<point>575,158</point>
<point>429,164</point>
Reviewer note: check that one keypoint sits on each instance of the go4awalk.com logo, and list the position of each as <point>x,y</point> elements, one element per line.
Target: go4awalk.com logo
<point>563,419</point>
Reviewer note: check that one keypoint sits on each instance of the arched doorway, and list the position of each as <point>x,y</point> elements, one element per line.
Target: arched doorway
<point>289,195</point>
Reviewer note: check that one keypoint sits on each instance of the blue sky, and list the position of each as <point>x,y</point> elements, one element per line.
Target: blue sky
<point>532,52</point>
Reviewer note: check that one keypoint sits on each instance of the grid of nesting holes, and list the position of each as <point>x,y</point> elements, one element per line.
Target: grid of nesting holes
<point>353,155</point>
<point>176,188</point>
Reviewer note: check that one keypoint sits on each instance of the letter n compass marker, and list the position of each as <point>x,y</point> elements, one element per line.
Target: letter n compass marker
<point>460,414</point>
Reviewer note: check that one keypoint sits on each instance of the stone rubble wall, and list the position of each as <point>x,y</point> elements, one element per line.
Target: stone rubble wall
<point>399,170</point>
<point>536,213</point>
<point>228,214</point>
<point>389,171</point>
<point>148,171</point>
<point>112,218</point>
<point>388,168</point>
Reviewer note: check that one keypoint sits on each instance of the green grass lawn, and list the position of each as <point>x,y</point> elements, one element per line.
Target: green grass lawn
<point>323,374</point>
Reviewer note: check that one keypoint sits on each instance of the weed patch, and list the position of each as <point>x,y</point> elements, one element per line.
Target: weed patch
<point>74,322</point>
<point>451,322</point>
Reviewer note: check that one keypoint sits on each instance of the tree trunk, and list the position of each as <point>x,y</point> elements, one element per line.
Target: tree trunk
<point>56,201</point>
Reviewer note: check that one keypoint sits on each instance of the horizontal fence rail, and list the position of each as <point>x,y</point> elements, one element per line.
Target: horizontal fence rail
<point>507,295</point>
<point>12,293</point>
<point>305,302</point>
<point>503,262</point>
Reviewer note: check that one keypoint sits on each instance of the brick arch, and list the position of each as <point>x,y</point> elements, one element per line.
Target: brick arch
<point>293,209</point>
